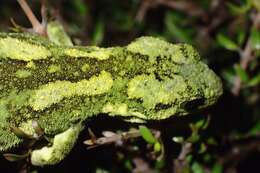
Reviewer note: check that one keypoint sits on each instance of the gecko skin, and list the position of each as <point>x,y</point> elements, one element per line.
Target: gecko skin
<point>59,87</point>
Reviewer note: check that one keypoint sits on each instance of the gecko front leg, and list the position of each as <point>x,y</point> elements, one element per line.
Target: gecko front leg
<point>60,148</point>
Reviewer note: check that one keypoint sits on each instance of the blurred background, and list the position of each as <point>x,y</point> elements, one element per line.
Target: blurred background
<point>227,35</point>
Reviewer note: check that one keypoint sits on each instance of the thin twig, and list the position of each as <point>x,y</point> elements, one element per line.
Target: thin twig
<point>240,150</point>
<point>145,5</point>
<point>111,138</point>
<point>141,166</point>
<point>246,56</point>
<point>37,26</point>
<point>187,7</point>
<point>44,13</point>
<point>180,163</point>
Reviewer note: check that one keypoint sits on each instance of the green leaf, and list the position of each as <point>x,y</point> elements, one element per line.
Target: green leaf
<point>241,37</point>
<point>256,4</point>
<point>175,28</point>
<point>157,147</point>
<point>80,7</point>
<point>217,168</point>
<point>229,75</point>
<point>147,135</point>
<point>226,42</point>
<point>211,141</point>
<point>197,168</point>
<point>207,157</point>
<point>178,139</point>
<point>254,81</point>
<point>255,38</point>
<point>199,123</point>
<point>203,148</point>
<point>125,23</point>
<point>98,34</point>
<point>203,123</point>
<point>241,73</point>
<point>128,165</point>
<point>99,170</point>
<point>256,129</point>
<point>159,164</point>
<point>242,9</point>
<point>34,171</point>
<point>195,136</point>
<point>189,158</point>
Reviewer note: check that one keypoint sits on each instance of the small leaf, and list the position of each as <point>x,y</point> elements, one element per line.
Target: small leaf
<point>254,81</point>
<point>217,168</point>
<point>256,129</point>
<point>226,42</point>
<point>89,142</point>
<point>199,123</point>
<point>255,38</point>
<point>242,9</point>
<point>34,171</point>
<point>108,133</point>
<point>157,147</point>
<point>15,157</point>
<point>147,135</point>
<point>159,164</point>
<point>203,123</point>
<point>241,37</point>
<point>211,141</point>
<point>197,168</point>
<point>128,165</point>
<point>256,4</point>
<point>194,137</point>
<point>207,157</point>
<point>178,139</point>
<point>241,73</point>
<point>81,7</point>
<point>229,76</point>
<point>175,27</point>
<point>99,170</point>
<point>203,148</point>
<point>189,158</point>
<point>98,34</point>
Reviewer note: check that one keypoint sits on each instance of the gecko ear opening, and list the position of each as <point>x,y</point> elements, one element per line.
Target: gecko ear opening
<point>194,104</point>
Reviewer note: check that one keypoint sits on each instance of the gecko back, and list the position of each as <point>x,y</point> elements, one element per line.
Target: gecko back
<point>57,86</point>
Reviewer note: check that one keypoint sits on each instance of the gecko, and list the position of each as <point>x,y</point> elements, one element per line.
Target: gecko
<point>62,87</point>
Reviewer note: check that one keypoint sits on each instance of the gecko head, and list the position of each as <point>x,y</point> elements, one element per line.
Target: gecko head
<point>204,86</point>
<point>179,82</point>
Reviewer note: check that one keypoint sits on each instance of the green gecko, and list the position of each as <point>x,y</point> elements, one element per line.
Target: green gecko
<point>61,87</point>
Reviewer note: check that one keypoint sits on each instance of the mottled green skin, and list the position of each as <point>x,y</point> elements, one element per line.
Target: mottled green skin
<point>149,79</point>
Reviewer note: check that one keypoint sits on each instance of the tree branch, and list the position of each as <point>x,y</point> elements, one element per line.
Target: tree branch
<point>37,26</point>
<point>246,55</point>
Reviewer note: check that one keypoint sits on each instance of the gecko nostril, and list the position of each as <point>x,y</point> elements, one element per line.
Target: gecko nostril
<point>193,104</point>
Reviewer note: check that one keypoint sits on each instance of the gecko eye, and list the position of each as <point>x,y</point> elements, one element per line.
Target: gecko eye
<point>193,104</point>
